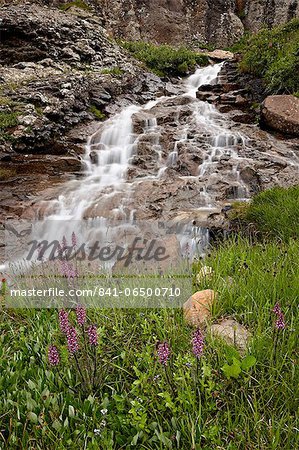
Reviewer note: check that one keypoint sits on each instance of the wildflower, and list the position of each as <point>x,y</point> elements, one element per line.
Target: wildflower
<point>81,315</point>
<point>93,335</point>
<point>53,355</point>
<point>74,239</point>
<point>67,269</point>
<point>280,321</point>
<point>198,343</point>
<point>63,320</point>
<point>97,431</point>
<point>104,411</point>
<point>163,353</point>
<point>72,340</point>
<point>64,243</point>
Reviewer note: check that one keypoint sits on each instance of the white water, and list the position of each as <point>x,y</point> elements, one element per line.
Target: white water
<point>114,144</point>
<point>104,192</point>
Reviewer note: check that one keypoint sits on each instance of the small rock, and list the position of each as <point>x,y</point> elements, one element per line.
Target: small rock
<point>232,333</point>
<point>197,309</point>
<point>27,120</point>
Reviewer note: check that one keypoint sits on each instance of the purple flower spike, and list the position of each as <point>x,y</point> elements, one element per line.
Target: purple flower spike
<point>72,340</point>
<point>280,321</point>
<point>163,351</point>
<point>81,315</point>
<point>64,243</point>
<point>63,320</point>
<point>74,239</point>
<point>53,355</point>
<point>198,343</point>
<point>92,335</point>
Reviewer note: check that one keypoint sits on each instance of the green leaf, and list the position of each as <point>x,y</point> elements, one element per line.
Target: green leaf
<point>71,411</point>
<point>231,371</point>
<point>248,362</point>
<point>32,417</point>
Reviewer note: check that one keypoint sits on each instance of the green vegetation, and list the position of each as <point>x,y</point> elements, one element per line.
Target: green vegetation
<point>112,71</point>
<point>76,3</point>
<point>97,112</point>
<point>274,56</point>
<point>8,120</point>
<point>273,213</point>
<point>5,174</point>
<point>225,400</point>
<point>165,60</point>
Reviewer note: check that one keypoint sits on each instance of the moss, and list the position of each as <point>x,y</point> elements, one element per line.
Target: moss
<point>5,174</point>
<point>8,120</point>
<point>165,60</point>
<point>97,112</point>
<point>274,56</point>
<point>76,3</point>
<point>112,71</point>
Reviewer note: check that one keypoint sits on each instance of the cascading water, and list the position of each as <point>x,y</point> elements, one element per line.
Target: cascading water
<point>104,193</point>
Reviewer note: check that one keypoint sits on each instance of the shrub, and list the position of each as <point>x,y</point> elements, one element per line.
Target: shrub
<point>112,71</point>
<point>8,120</point>
<point>76,3</point>
<point>165,60</point>
<point>274,56</point>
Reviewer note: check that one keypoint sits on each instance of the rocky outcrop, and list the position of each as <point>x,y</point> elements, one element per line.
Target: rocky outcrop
<point>196,22</point>
<point>258,13</point>
<point>60,76</point>
<point>281,113</point>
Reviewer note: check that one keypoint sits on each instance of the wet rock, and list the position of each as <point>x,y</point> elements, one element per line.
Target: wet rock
<point>197,309</point>
<point>232,333</point>
<point>281,113</point>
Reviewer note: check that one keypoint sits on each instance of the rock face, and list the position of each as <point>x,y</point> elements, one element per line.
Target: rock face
<point>173,21</point>
<point>196,22</point>
<point>258,13</point>
<point>58,80</point>
<point>281,113</point>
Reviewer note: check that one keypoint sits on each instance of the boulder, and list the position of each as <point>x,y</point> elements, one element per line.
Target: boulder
<point>221,55</point>
<point>232,333</point>
<point>281,113</point>
<point>197,309</point>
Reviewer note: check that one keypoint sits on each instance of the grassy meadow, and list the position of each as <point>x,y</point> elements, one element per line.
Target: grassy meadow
<point>220,400</point>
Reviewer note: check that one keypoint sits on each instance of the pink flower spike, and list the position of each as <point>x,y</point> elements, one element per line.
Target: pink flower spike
<point>92,335</point>
<point>81,315</point>
<point>63,320</point>
<point>163,351</point>
<point>53,355</point>
<point>72,340</point>
<point>198,343</point>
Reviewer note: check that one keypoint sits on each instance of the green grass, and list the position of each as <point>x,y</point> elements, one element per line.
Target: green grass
<point>256,411</point>
<point>165,60</point>
<point>191,408</point>
<point>112,71</point>
<point>274,56</point>
<point>273,213</point>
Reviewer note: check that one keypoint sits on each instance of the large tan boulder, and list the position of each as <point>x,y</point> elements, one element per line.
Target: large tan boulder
<point>281,113</point>
<point>197,309</point>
